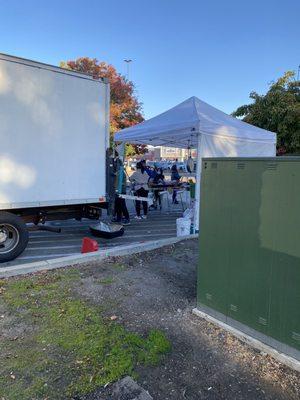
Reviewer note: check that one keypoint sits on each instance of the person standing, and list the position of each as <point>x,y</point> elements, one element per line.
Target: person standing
<point>175,177</point>
<point>158,180</point>
<point>121,211</point>
<point>140,181</point>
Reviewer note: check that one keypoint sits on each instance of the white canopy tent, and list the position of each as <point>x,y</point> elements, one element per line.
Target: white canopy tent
<point>195,124</point>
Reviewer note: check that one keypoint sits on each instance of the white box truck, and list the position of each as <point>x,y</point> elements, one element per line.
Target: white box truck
<point>54,134</point>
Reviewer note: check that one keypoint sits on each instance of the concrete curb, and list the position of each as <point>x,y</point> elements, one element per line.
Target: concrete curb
<point>257,344</point>
<point>61,262</point>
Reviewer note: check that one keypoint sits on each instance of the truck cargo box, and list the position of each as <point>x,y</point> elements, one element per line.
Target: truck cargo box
<point>54,130</point>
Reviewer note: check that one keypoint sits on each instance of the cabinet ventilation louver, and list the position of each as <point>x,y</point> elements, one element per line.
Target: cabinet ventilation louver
<point>272,166</point>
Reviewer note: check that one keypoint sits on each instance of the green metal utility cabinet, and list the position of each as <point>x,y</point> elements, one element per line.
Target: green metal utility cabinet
<point>249,264</point>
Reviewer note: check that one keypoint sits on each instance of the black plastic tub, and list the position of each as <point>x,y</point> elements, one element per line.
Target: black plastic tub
<point>107,231</point>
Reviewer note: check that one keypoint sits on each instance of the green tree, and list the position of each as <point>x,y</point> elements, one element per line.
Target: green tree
<point>125,108</point>
<point>278,111</point>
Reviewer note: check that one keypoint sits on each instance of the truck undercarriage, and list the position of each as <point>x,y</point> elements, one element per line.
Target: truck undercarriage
<point>14,229</point>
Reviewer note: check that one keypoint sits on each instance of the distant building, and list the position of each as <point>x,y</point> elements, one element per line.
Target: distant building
<point>171,153</point>
<point>166,153</point>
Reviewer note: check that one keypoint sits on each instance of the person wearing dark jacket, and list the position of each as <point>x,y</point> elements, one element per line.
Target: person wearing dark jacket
<point>175,177</point>
<point>158,180</point>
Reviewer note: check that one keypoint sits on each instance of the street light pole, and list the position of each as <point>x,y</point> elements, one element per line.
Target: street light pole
<point>128,61</point>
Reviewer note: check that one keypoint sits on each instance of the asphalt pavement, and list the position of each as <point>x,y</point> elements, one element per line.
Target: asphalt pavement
<point>44,245</point>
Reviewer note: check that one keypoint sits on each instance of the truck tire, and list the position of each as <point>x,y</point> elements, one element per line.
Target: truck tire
<point>13,236</point>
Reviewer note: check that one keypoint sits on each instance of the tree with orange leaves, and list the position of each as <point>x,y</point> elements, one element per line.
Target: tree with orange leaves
<point>125,109</point>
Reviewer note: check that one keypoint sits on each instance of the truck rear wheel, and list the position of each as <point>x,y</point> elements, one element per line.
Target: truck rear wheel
<point>13,236</point>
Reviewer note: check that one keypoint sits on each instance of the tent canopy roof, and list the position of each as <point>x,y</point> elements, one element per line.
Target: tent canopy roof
<point>179,127</point>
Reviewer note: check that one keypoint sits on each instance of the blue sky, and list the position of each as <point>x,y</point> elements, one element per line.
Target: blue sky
<point>217,50</point>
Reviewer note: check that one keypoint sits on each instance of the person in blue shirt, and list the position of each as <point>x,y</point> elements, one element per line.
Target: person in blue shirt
<point>151,172</point>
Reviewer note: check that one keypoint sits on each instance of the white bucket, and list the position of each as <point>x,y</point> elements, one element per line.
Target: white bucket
<point>183,226</point>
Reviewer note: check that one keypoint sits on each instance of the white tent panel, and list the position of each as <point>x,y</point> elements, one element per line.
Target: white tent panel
<point>194,123</point>
<point>217,146</point>
<point>180,126</point>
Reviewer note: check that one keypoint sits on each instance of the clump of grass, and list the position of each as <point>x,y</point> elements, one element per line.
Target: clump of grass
<point>118,266</point>
<point>106,281</point>
<point>73,349</point>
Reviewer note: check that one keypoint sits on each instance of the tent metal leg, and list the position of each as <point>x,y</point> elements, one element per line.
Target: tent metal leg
<point>197,188</point>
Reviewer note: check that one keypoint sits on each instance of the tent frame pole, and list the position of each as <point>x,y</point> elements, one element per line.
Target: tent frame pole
<point>198,183</point>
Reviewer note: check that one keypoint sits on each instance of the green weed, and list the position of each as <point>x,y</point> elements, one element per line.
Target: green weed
<point>69,347</point>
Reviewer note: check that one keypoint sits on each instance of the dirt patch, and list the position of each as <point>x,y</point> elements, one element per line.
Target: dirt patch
<point>156,291</point>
